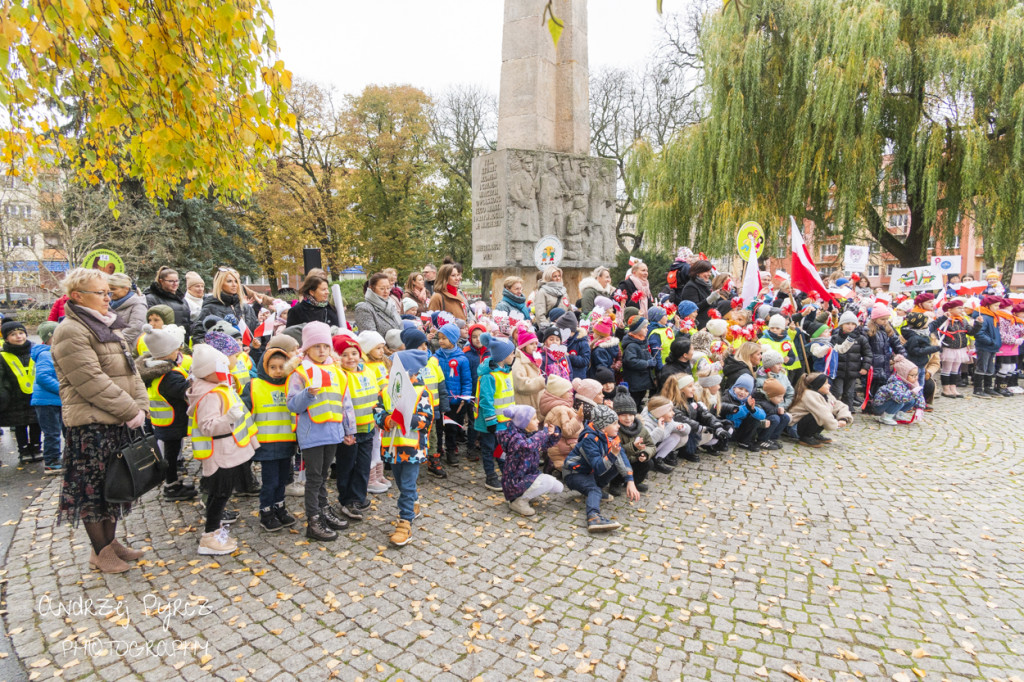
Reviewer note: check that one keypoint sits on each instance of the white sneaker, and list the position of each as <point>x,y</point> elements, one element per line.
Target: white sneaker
<point>217,542</point>
<point>295,489</point>
<point>887,419</point>
<point>521,505</point>
<point>903,416</point>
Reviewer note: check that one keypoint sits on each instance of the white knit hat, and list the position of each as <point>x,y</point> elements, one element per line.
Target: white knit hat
<point>207,360</point>
<point>160,343</point>
<point>369,340</point>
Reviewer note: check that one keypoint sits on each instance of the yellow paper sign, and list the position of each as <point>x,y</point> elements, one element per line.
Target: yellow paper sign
<point>750,233</point>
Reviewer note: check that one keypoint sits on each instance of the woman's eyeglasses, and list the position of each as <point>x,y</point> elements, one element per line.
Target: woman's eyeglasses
<point>104,294</point>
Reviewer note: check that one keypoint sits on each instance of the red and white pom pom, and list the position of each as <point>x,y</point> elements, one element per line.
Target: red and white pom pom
<point>713,314</point>
<point>736,302</point>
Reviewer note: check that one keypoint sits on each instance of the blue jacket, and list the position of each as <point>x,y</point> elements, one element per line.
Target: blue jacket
<point>485,415</point>
<point>637,364</point>
<point>458,380</point>
<point>592,455</point>
<point>308,433</point>
<point>988,338</point>
<point>736,410</point>
<point>579,355</point>
<point>604,354</point>
<point>46,388</point>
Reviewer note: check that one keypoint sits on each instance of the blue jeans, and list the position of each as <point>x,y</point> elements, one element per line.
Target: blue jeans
<point>590,486</point>
<point>352,469</point>
<point>779,422</point>
<point>892,407</point>
<point>277,474</point>
<point>405,474</point>
<point>488,442</point>
<point>51,423</point>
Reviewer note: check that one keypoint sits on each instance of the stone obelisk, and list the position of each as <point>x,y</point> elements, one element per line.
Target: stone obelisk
<point>541,185</point>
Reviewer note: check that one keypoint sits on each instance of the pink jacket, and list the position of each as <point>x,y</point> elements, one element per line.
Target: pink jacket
<point>212,421</point>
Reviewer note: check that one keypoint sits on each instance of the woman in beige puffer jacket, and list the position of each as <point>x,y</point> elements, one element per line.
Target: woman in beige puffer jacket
<point>101,393</point>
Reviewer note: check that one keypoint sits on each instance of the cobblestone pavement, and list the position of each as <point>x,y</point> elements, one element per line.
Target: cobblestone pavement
<point>893,554</point>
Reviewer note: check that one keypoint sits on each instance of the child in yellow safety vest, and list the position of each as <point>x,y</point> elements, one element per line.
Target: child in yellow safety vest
<point>319,396</point>
<point>433,379</point>
<point>405,449</point>
<point>266,397</point>
<point>157,317</point>
<point>375,357</point>
<point>17,373</point>
<point>166,384</point>
<point>494,392</point>
<point>223,437</point>
<point>352,467</point>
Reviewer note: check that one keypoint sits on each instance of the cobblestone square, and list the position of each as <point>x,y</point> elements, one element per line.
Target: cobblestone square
<point>892,554</point>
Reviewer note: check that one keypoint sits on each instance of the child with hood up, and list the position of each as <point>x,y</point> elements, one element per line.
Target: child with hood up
<point>46,399</point>
<point>522,442</point>
<point>556,409</point>
<point>576,343</point>
<point>747,417</point>
<point>16,379</point>
<point>604,348</point>
<point>266,398</point>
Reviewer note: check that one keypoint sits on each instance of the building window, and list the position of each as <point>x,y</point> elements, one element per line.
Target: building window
<point>1018,267</point>
<point>829,250</point>
<point>873,271</point>
<point>898,220</point>
<point>15,242</point>
<point>931,242</point>
<point>874,247</point>
<point>956,242</point>
<point>282,281</point>
<point>888,270</point>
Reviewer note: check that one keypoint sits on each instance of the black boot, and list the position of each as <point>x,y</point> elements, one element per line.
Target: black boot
<point>979,386</point>
<point>988,388</point>
<point>1001,384</point>
<point>434,466</point>
<point>286,519</point>
<point>317,529</point>
<point>452,456</point>
<point>661,467</point>
<point>269,521</point>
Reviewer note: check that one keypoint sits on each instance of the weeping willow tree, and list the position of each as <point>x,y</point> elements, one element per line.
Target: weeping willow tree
<point>831,110</point>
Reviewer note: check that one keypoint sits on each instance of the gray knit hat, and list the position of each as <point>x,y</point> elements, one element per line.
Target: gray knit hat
<point>623,402</point>
<point>159,342</point>
<point>770,358</point>
<point>603,416</point>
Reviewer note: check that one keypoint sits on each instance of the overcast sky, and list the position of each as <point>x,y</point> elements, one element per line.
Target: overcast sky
<point>432,44</point>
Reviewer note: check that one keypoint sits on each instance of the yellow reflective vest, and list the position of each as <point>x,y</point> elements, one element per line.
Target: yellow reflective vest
<point>666,336</point>
<point>504,395</point>
<point>274,421</point>
<point>432,378</point>
<point>243,365</point>
<point>161,413</point>
<point>202,445</point>
<point>25,375</point>
<point>330,401</point>
<point>783,348</point>
<point>364,390</point>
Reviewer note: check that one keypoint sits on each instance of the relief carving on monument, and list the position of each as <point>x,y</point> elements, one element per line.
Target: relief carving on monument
<point>571,197</point>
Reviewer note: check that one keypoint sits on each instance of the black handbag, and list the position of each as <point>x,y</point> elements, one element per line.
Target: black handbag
<point>135,470</point>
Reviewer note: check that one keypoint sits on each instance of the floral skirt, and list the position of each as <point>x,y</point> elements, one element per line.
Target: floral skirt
<point>87,450</point>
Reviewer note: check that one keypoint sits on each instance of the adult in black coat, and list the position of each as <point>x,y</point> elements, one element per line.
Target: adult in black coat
<point>698,291</point>
<point>223,301</point>
<point>314,303</point>
<point>166,291</point>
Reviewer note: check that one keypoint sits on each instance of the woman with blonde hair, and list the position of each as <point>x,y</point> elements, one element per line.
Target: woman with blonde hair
<point>226,298</point>
<point>550,294</point>
<point>129,306</point>
<point>746,360</point>
<point>101,393</point>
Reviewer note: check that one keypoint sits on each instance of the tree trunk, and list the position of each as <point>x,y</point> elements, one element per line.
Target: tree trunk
<point>1007,268</point>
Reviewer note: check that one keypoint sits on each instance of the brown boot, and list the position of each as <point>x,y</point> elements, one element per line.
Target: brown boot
<point>108,561</point>
<point>402,534</point>
<point>126,553</point>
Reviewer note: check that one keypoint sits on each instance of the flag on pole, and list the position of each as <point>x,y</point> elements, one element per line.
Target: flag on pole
<point>266,327</point>
<point>339,305</point>
<point>803,271</point>
<point>751,280</point>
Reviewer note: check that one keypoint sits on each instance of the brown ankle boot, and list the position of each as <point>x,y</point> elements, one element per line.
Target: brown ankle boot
<point>126,553</point>
<point>108,561</point>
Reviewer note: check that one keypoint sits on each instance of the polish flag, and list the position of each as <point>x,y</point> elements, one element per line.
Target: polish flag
<point>266,327</point>
<point>804,272</point>
<point>751,280</point>
<point>246,334</point>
